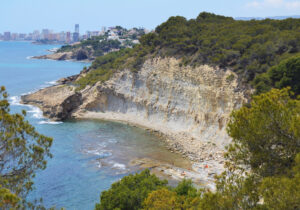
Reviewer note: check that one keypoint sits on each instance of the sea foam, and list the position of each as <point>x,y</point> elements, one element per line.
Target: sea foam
<point>119,166</point>
<point>36,112</point>
<point>49,122</point>
<point>29,57</point>
<point>54,82</point>
<point>15,100</point>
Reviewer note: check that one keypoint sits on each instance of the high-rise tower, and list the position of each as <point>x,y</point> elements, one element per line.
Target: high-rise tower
<point>77,28</point>
<point>76,33</point>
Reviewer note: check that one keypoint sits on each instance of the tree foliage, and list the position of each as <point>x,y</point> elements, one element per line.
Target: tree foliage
<point>8,200</point>
<point>265,140</point>
<point>162,199</point>
<point>99,45</point>
<point>130,192</point>
<point>287,73</point>
<point>250,48</point>
<point>102,44</point>
<point>102,68</point>
<point>23,151</point>
<point>282,192</point>
<point>266,135</point>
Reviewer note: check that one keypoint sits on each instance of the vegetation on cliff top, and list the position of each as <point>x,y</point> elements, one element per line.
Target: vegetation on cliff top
<point>263,171</point>
<point>287,73</point>
<point>250,48</point>
<point>96,46</point>
<point>105,43</point>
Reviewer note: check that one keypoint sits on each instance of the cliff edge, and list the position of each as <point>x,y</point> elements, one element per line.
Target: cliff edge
<point>190,106</point>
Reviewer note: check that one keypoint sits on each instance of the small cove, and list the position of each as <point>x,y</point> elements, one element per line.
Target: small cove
<point>89,155</point>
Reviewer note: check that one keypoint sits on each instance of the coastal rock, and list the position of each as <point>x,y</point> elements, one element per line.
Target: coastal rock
<point>57,102</point>
<point>76,55</point>
<point>81,55</point>
<point>67,80</point>
<point>179,101</point>
<point>171,172</point>
<point>56,56</point>
<point>188,106</point>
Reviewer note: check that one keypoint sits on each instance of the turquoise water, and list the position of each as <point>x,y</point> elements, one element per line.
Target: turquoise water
<point>88,155</point>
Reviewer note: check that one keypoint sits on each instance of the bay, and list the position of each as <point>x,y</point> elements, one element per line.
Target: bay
<point>88,155</point>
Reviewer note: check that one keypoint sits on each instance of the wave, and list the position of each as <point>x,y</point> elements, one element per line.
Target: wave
<point>47,84</point>
<point>54,82</point>
<point>98,152</point>
<point>36,112</point>
<point>15,100</point>
<point>30,92</point>
<point>29,57</point>
<point>49,122</point>
<point>119,166</point>
<point>53,50</point>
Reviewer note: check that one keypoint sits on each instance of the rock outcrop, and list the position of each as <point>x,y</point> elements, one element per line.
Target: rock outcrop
<point>170,98</point>
<point>57,102</point>
<point>189,106</point>
<point>74,55</point>
<point>56,56</point>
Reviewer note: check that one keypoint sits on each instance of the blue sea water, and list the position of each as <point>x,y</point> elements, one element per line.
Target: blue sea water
<point>89,155</point>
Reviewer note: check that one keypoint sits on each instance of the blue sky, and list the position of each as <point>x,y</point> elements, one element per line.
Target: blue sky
<point>28,15</point>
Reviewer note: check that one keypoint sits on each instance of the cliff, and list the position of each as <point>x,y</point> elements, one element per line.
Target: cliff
<point>190,106</point>
<point>182,81</point>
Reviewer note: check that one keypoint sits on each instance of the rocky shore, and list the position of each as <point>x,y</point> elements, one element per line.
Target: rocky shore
<point>200,175</point>
<point>77,55</point>
<point>189,106</point>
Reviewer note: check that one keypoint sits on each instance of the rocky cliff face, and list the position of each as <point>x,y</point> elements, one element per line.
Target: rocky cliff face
<point>191,106</point>
<point>56,102</point>
<point>164,95</point>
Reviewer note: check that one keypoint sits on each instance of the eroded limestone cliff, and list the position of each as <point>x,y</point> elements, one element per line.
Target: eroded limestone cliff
<point>190,106</point>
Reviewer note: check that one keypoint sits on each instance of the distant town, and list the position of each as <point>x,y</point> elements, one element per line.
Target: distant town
<point>48,36</point>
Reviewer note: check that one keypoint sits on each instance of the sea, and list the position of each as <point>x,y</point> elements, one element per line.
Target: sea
<point>88,155</point>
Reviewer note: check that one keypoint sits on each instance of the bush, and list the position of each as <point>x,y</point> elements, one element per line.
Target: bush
<point>130,192</point>
<point>23,152</point>
<point>266,135</point>
<point>287,73</point>
<point>266,138</point>
<point>249,48</point>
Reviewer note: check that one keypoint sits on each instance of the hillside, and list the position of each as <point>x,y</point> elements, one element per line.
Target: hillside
<point>112,40</point>
<point>183,81</point>
<point>249,48</point>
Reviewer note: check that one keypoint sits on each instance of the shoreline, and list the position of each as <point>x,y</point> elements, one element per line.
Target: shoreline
<point>196,170</point>
<point>53,59</point>
<point>144,124</point>
<point>188,107</point>
<point>203,167</point>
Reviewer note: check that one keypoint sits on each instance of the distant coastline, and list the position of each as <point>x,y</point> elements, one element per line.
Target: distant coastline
<point>270,17</point>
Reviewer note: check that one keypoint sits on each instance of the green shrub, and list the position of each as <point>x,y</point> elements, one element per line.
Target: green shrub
<point>286,74</point>
<point>130,192</point>
<point>249,48</point>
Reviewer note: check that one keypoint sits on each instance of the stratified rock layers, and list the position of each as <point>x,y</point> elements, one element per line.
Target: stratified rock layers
<point>182,102</point>
<point>190,105</point>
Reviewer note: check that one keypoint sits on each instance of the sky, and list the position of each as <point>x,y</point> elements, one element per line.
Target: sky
<point>62,15</point>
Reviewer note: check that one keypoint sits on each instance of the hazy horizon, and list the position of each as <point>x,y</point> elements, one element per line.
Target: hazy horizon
<point>26,16</point>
